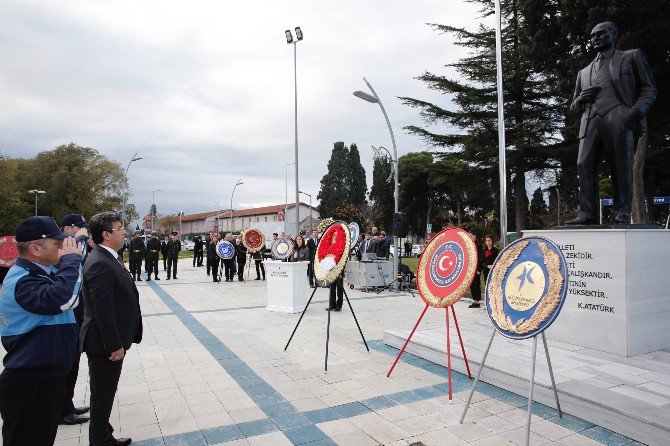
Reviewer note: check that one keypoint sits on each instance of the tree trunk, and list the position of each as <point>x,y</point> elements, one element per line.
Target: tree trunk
<point>520,200</point>
<point>430,211</point>
<point>639,208</point>
<point>458,212</point>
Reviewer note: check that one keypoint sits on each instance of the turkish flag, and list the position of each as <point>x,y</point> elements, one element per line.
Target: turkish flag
<point>280,216</point>
<point>8,251</point>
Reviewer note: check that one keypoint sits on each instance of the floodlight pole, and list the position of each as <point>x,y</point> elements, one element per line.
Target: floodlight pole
<point>502,164</point>
<point>297,192</point>
<point>395,170</point>
<point>36,192</point>
<point>286,202</point>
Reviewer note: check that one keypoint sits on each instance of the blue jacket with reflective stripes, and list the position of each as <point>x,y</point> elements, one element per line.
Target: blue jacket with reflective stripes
<point>37,326</point>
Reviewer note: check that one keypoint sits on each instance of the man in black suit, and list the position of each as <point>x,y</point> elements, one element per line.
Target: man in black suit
<point>112,322</point>
<point>312,243</point>
<point>164,252</point>
<point>613,94</point>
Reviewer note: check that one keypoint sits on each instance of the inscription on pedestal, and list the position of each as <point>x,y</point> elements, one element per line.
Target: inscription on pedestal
<point>588,284</point>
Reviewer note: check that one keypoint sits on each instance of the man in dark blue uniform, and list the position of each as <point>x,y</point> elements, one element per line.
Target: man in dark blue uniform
<point>38,331</point>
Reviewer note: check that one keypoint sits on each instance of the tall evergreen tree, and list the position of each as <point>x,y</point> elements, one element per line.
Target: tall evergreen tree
<point>530,113</point>
<point>344,183</point>
<point>416,197</point>
<point>356,178</point>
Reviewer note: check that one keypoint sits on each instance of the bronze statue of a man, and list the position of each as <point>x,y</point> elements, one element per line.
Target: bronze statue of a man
<point>613,94</point>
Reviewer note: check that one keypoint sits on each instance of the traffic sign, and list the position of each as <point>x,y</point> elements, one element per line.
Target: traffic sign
<point>607,201</point>
<point>661,200</point>
<point>429,227</point>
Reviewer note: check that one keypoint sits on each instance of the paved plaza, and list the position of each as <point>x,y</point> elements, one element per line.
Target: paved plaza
<point>212,370</point>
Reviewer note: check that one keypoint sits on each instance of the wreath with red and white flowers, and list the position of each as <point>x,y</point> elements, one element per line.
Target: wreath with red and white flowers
<point>331,254</point>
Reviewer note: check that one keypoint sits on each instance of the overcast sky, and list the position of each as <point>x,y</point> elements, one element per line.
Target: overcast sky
<point>204,91</point>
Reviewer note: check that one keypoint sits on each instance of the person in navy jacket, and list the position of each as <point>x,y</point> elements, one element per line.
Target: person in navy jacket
<point>38,331</point>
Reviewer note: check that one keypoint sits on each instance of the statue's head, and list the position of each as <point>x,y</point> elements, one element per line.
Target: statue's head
<point>604,35</point>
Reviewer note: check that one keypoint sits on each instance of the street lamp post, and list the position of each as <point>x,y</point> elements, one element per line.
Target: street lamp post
<point>153,207</point>
<point>36,192</point>
<point>181,214</point>
<point>286,202</point>
<point>218,214</point>
<point>375,100</point>
<point>310,208</point>
<point>231,204</point>
<point>289,40</point>
<point>125,193</point>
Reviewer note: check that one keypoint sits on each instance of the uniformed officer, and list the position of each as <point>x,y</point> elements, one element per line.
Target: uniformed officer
<point>136,256</point>
<point>153,248</point>
<point>39,332</point>
<point>173,247</point>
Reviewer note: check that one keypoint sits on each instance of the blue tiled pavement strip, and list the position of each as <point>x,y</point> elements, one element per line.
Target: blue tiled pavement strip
<point>300,427</point>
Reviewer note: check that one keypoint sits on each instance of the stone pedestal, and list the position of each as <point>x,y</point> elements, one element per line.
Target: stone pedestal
<point>288,287</point>
<point>618,292</point>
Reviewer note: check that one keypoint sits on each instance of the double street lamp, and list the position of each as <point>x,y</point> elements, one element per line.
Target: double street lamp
<point>180,214</point>
<point>231,203</point>
<point>36,192</point>
<point>374,99</point>
<point>289,40</point>
<point>125,192</point>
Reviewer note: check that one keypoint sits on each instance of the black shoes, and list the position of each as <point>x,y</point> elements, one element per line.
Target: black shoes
<point>157,278</point>
<point>474,305</point>
<point>118,441</point>
<point>149,279</point>
<point>168,278</point>
<point>334,309</point>
<point>81,410</point>
<point>73,419</point>
<point>257,278</point>
<point>174,277</point>
<point>582,219</point>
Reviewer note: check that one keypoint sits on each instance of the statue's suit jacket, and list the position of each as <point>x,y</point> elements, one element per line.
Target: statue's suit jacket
<point>633,82</point>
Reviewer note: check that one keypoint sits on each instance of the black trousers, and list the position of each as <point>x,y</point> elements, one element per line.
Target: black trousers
<point>197,258</point>
<point>260,268</point>
<point>152,267</point>
<point>164,262</point>
<point>476,288</point>
<point>310,272</point>
<point>229,268</point>
<point>30,409</point>
<point>609,136</point>
<point>70,382</point>
<point>135,268</point>
<point>209,264</point>
<point>104,380</point>
<point>337,286</point>
<point>214,264</point>
<point>172,267</point>
<point>240,269</point>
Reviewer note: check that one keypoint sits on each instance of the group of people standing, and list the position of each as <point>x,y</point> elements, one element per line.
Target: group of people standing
<point>234,265</point>
<point>148,251</point>
<point>68,292</point>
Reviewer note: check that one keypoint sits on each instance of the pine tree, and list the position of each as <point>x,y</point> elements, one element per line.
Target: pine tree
<point>344,184</point>
<point>357,181</point>
<point>531,117</point>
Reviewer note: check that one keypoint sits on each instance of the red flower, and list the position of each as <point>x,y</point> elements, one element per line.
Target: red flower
<point>333,242</point>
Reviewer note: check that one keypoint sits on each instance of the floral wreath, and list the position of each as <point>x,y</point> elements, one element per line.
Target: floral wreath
<point>330,255</point>
<point>8,251</point>
<point>253,240</point>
